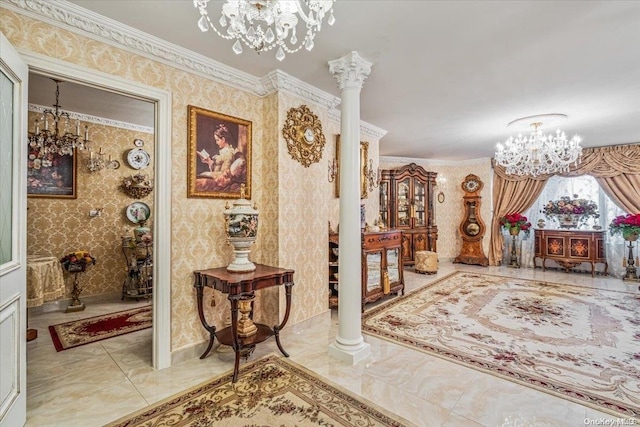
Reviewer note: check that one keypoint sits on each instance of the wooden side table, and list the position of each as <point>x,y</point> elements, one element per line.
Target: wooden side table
<point>241,287</point>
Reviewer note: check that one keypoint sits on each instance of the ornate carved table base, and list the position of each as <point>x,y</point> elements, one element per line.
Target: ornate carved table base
<point>241,287</point>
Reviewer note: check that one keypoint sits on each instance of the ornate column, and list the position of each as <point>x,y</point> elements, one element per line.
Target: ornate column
<point>350,72</point>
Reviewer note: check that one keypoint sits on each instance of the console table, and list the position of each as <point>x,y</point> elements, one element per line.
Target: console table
<point>570,248</point>
<point>241,287</point>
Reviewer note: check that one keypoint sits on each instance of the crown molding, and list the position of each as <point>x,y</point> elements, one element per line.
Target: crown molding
<point>278,80</point>
<point>366,129</point>
<point>71,17</point>
<point>35,108</point>
<point>434,162</point>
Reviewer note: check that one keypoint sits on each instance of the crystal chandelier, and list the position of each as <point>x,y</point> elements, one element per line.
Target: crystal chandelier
<point>538,154</point>
<point>266,24</point>
<point>55,137</point>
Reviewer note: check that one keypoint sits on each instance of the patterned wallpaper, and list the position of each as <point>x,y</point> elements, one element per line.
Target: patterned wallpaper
<point>57,226</point>
<point>295,202</point>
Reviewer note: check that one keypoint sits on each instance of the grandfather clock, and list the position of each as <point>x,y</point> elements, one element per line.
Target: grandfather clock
<point>472,228</point>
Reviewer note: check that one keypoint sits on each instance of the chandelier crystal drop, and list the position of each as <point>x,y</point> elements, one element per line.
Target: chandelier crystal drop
<point>538,154</point>
<point>56,137</point>
<point>263,25</point>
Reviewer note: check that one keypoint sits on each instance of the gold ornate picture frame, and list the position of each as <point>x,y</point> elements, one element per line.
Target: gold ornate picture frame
<point>364,158</point>
<point>219,155</point>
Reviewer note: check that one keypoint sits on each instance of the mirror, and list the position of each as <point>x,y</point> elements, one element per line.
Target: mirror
<point>364,155</point>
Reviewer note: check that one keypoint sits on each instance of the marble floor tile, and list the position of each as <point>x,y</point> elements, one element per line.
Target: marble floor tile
<point>103,381</point>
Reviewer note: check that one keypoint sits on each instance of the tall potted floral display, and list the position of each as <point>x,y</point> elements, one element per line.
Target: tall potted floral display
<point>626,225</point>
<point>514,223</point>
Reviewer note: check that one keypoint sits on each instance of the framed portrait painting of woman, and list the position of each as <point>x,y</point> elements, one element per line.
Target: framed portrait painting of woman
<point>219,155</point>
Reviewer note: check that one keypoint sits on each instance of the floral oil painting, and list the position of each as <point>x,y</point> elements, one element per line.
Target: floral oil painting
<point>51,174</point>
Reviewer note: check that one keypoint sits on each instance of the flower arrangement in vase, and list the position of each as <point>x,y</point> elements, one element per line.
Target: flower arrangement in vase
<point>626,225</point>
<point>515,222</point>
<point>570,212</point>
<point>77,261</point>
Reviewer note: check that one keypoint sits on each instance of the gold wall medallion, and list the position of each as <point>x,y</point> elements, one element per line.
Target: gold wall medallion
<point>303,132</point>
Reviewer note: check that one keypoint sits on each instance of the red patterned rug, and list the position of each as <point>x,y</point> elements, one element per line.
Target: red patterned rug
<point>578,343</point>
<point>85,331</point>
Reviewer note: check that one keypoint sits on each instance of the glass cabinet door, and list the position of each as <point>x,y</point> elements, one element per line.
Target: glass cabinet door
<point>384,202</point>
<point>393,265</point>
<point>403,211</point>
<point>419,201</point>
<point>374,281</point>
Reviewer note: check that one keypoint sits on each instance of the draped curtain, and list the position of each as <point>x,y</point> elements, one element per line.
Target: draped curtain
<point>616,168</point>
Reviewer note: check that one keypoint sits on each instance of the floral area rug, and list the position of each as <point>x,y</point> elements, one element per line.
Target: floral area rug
<point>80,332</point>
<point>578,343</point>
<point>271,391</point>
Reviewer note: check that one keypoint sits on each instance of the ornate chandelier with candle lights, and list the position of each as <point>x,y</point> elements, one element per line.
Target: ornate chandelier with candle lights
<point>538,154</point>
<point>55,136</point>
<point>263,25</point>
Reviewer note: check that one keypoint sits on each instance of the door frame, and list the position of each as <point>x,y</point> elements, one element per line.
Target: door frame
<point>162,182</point>
<point>13,295</point>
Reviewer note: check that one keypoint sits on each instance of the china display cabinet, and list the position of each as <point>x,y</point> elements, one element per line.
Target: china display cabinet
<point>406,204</point>
<point>380,264</point>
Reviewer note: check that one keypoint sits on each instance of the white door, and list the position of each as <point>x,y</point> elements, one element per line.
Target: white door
<point>13,236</point>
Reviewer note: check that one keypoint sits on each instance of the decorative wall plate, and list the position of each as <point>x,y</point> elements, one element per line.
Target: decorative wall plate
<point>138,158</point>
<point>138,143</point>
<point>303,132</point>
<point>138,211</point>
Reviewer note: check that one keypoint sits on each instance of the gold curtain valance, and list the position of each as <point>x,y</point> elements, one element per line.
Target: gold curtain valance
<point>599,162</point>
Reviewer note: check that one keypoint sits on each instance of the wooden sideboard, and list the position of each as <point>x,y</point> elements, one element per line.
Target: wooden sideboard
<point>381,266</point>
<point>570,248</point>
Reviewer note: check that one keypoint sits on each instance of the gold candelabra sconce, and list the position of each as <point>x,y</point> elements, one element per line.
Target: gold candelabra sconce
<point>333,170</point>
<point>372,177</point>
<point>99,161</point>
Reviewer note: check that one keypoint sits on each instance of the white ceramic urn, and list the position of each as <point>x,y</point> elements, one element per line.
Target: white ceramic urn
<point>241,224</point>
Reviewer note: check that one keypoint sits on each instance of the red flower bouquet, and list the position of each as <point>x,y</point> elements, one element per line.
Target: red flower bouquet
<point>627,225</point>
<point>516,222</point>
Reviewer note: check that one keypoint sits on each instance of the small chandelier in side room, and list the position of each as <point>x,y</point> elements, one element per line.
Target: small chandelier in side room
<point>263,25</point>
<point>538,154</point>
<point>55,136</point>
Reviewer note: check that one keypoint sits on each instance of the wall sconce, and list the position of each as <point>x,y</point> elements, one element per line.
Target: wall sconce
<point>97,162</point>
<point>373,178</point>
<point>333,170</point>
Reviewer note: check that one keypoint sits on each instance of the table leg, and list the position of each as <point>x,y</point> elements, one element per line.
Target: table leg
<point>278,328</point>
<point>233,299</point>
<point>211,329</point>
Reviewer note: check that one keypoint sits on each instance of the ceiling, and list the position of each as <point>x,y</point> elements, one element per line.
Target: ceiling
<point>448,76</point>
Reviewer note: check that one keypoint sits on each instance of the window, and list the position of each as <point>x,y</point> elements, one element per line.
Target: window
<point>585,187</point>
